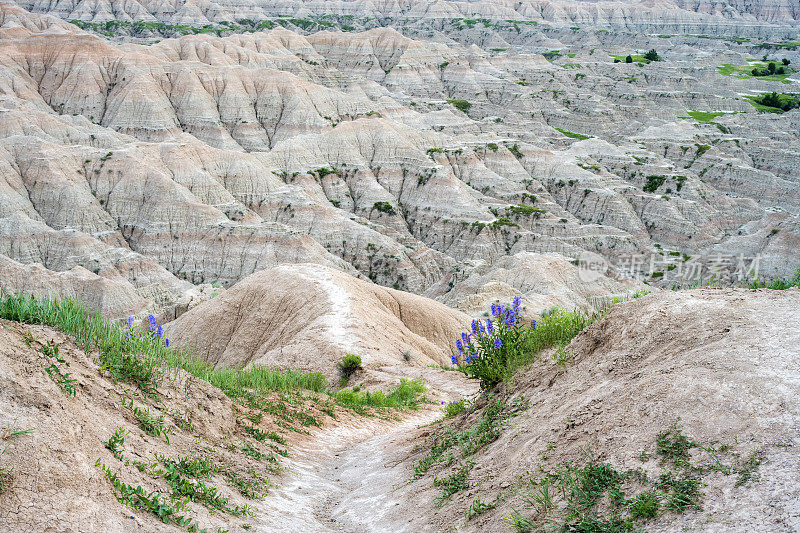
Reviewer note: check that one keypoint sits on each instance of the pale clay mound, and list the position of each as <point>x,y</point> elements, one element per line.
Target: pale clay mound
<point>308,317</point>
<point>55,486</point>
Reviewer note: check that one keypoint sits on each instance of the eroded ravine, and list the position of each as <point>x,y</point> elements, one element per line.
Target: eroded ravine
<point>345,477</point>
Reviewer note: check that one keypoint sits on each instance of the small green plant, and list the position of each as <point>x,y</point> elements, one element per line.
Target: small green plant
<point>681,493</point>
<point>520,523</point>
<point>64,380</point>
<point>644,505</point>
<point>673,446</point>
<point>152,425</point>
<point>454,408</point>
<point>454,483</point>
<point>6,473</point>
<point>349,365</point>
<point>116,441</point>
<point>139,498</point>
<point>478,507</point>
<point>9,432</point>
<point>384,207</point>
<point>749,469</point>
<point>562,357</point>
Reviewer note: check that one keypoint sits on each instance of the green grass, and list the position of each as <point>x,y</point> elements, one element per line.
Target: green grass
<point>706,117</point>
<point>637,58</point>
<point>783,98</point>
<point>744,72</point>
<point>406,395</point>
<point>789,45</point>
<point>461,105</point>
<point>573,135</point>
<point>144,360</point>
<point>778,284</point>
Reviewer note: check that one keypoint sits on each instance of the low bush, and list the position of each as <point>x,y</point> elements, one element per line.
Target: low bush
<point>349,365</point>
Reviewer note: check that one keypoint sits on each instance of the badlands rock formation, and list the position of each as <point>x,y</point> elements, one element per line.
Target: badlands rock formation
<point>206,158</point>
<point>308,317</point>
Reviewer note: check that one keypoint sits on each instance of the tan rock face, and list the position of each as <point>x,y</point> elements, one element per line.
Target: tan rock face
<point>308,317</point>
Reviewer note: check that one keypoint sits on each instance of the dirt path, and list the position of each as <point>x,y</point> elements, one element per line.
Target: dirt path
<point>344,479</point>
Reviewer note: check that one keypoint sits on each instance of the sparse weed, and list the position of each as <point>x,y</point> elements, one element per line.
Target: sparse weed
<point>249,449</point>
<point>64,380</point>
<point>673,447</point>
<point>9,432</point>
<point>483,432</point>
<point>520,523</point>
<point>749,468</point>
<point>116,441</point>
<point>139,498</point>
<point>478,507</point>
<point>5,475</point>
<point>253,486</point>
<point>562,357</point>
<point>153,426</point>
<point>455,482</point>
<point>681,493</point>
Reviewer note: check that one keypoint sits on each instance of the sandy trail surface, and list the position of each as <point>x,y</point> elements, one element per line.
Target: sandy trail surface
<point>346,478</point>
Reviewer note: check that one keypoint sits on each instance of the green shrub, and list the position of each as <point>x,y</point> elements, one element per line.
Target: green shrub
<point>652,55</point>
<point>384,207</point>
<point>350,364</point>
<point>461,105</point>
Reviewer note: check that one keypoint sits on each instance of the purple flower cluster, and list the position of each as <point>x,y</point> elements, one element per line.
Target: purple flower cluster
<point>489,336</point>
<point>153,329</point>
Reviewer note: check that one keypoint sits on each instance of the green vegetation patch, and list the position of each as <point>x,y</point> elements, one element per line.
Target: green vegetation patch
<point>774,102</point>
<point>706,117</point>
<point>573,135</point>
<point>762,70</point>
<point>461,105</point>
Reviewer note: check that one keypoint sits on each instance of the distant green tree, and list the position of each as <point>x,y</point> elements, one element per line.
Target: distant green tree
<point>652,55</point>
<point>629,59</point>
<point>771,68</point>
<point>786,61</point>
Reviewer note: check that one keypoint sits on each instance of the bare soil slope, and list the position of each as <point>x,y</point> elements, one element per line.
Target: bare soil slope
<point>50,473</point>
<point>723,364</point>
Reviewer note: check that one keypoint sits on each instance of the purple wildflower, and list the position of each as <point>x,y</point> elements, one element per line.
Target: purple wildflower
<point>489,326</point>
<point>533,325</point>
<point>497,342</point>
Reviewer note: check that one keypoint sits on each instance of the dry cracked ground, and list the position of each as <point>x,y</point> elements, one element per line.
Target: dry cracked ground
<point>281,184</point>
